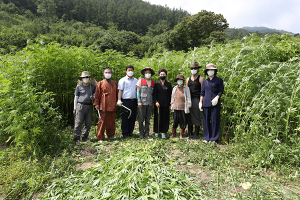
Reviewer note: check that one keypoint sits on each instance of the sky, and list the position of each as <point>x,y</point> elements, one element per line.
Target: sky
<point>277,14</point>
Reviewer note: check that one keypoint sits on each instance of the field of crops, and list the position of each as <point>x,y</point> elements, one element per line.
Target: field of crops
<point>259,153</point>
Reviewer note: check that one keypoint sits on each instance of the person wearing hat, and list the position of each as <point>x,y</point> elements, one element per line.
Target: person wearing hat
<point>106,102</point>
<point>127,97</point>
<point>194,83</point>
<point>180,105</point>
<point>83,106</point>
<point>162,98</point>
<point>145,87</point>
<point>211,92</point>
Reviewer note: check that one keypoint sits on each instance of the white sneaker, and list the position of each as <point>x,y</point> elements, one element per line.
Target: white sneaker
<point>101,141</point>
<point>156,134</point>
<point>163,136</point>
<point>205,141</point>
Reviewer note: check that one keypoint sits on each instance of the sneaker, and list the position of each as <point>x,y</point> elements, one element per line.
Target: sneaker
<point>205,141</point>
<point>85,139</point>
<point>163,135</point>
<point>101,141</point>
<point>156,134</point>
<point>115,136</point>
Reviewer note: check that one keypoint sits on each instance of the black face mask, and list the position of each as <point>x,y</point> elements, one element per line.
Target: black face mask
<point>162,77</point>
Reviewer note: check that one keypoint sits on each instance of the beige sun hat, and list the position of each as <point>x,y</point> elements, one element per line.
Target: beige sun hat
<point>84,74</point>
<point>208,67</point>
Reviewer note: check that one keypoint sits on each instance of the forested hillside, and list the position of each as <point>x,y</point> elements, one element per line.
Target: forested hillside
<point>126,26</point>
<point>130,15</point>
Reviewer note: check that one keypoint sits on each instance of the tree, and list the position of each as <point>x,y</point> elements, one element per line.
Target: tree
<point>47,8</point>
<point>197,30</point>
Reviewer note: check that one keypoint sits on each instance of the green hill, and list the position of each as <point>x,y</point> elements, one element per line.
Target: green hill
<point>263,29</point>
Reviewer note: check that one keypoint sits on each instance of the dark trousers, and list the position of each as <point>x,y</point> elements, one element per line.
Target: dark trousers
<point>180,118</point>
<point>164,119</point>
<point>211,123</point>
<point>127,125</point>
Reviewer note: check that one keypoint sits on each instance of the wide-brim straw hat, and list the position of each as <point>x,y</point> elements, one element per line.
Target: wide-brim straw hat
<point>147,68</point>
<point>84,74</point>
<point>195,65</point>
<point>208,67</point>
<point>179,77</point>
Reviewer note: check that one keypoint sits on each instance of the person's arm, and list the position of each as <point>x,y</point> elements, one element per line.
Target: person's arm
<point>187,82</point>
<point>75,102</point>
<point>201,79</point>
<point>221,88</point>
<point>155,95</point>
<point>120,95</point>
<point>138,95</point>
<point>97,96</point>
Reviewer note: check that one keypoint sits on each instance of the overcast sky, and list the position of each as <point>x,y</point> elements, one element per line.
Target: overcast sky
<point>278,14</point>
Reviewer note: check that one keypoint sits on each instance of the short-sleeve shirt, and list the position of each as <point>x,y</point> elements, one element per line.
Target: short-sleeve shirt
<point>84,93</point>
<point>128,86</point>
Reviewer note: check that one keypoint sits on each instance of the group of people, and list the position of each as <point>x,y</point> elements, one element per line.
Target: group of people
<point>186,101</point>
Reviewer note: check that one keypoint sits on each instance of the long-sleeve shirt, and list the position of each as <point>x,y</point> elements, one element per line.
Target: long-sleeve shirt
<point>210,89</point>
<point>162,93</point>
<point>106,95</point>
<point>187,96</point>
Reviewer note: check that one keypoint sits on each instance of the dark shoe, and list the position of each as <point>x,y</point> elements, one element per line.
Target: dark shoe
<point>173,133</point>
<point>196,134</point>
<point>190,131</point>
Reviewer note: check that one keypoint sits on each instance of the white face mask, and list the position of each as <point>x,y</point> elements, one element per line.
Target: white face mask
<point>107,76</point>
<point>193,71</point>
<point>147,75</point>
<point>130,73</point>
<point>85,80</point>
<point>210,72</point>
<point>180,82</point>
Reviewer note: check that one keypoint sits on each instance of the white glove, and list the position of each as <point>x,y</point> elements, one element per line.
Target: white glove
<point>214,101</point>
<point>119,103</point>
<point>200,106</point>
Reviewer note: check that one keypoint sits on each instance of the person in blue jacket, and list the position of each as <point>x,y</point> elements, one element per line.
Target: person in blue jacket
<point>210,103</point>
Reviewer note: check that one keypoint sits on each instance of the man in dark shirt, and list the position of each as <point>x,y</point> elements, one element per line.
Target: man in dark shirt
<point>194,83</point>
<point>83,106</point>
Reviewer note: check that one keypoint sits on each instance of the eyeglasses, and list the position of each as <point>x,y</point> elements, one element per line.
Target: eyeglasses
<point>85,77</point>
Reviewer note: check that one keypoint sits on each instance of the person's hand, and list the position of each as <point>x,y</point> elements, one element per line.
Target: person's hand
<point>119,103</point>
<point>157,104</point>
<point>97,107</point>
<point>200,106</point>
<point>214,101</point>
<point>140,105</point>
<point>74,112</point>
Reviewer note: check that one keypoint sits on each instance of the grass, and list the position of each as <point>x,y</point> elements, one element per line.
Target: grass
<point>147,169</point>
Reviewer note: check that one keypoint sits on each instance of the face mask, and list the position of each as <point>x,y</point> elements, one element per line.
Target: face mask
<point>85,80</point>
<point>194,71</point>
<point>130,73</point>
<point>180,82</point>
<point>147,75</point>
<point>210,72</point>
<point>162,77</point>
<point>107,76</point>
